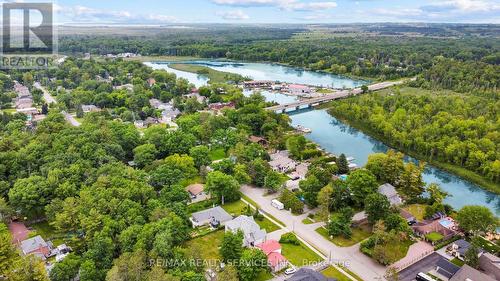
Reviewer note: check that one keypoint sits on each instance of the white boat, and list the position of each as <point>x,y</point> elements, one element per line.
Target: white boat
<point>303,129</point>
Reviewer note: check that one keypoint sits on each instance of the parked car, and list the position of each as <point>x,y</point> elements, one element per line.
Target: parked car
<point>290,270</point>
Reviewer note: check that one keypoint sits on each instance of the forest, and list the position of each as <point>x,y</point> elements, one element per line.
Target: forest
<point>436,125</point>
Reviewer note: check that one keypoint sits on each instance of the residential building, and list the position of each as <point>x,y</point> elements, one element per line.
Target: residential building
<point>275,259</point>
<point>258,140</point>
<point>86,108</point>
<point>389,191</point>
<point>199,98</point>
<point>151,82</point>
<point>221,105</point>
<point>197,192</point>
<point>446,268</point>
<point>425,227</point>
<point>280,162</point>
<point>307,274</point>
<point>214,217</point>
<point>252,234</point>
<point>459,248</point>
<point>36,246</point>
<point>490,264</point>
<point>467,273</point>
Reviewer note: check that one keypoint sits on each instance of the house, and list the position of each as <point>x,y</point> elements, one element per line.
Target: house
<point>36,246</point>
<point>467,273</point>
<point>459,248</point>
<point>275,259</point>
<point>280,162</point>
<point>199,98</point>
<point>258,140</point>
<point>490,264</point>
<point>86,108</point>
<point>169,114</point>
<point>214,217</point>
<point>128,87</point>
<point>28,111</point>
<point>359,218</point>
<point>296,89</point>
<point>389,191</point>
<point>252,234</point>
<point>197,192</point>
<point>446,268</point>
<point>307,274</point>
<point>425,227</point>
<point>24,102</point>
<point>221,105</point>
<point>300,171</point>
<point>151,82</point>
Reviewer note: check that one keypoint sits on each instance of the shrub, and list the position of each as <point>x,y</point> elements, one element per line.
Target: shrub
<point>289,238</point>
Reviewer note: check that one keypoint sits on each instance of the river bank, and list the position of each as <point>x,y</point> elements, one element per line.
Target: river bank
<point>459,171</point>
<point>214,76</point>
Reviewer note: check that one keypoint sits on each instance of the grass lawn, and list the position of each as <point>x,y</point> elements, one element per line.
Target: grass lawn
<point>358,235</point>
<point>207,246</point>
<point>239,207</point>
<point>417,210</point>
<point>307,221</point>
<point>332,272</point>
<point>215,76</point>
<point>434,236</point>
<point>486,245</point>
<point>264,275</point>
<point>49,233</point>
<point>299,255</point>
<point>457,262</point>
<point>217,154</point>
<point>398,250</point>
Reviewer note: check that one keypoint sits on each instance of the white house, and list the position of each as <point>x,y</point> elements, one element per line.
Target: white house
<point>252,234</point>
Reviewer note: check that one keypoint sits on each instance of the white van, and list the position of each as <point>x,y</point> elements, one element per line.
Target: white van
<point>277,204</point>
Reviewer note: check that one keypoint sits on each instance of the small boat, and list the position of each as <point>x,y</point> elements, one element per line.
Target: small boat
<point>303,129</point>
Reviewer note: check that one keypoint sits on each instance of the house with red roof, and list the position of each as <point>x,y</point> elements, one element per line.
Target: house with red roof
<point>275,259</point>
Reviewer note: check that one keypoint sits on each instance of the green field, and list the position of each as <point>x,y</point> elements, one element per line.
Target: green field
<point>358,235</point>
<point>217,154</point>
<point>332,272</point>
<point>215,76</point>
<point>207,246</point>
<point>299,255</point>
<point>417,210</point>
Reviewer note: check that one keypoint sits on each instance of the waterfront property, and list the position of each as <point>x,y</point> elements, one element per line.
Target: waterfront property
<point>281,162</point>
<point>389,191</point>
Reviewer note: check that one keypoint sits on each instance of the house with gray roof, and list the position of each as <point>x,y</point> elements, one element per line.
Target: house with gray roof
<point>459,248</point>
<point>389,191</point>
<point>252,234</point>
<point>490,264</point>
<point>467,273</point>
<point>307,274</point>
<point>214,216</point>
<point>36,246</point>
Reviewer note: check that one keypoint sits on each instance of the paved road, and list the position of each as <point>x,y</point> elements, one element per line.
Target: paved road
<point>50,99</point>
<point>424,265</point>
<point>351,257</point>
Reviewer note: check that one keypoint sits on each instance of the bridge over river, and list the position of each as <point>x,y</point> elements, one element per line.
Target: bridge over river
<point>329,97</point>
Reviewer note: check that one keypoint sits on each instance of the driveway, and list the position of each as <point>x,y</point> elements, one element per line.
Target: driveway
<point>350,257</point>
<point>424,265</point>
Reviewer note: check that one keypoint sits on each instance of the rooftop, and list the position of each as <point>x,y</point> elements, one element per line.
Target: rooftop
<point>216,213</point>
<point>269,246</point>
<point>467,273</point>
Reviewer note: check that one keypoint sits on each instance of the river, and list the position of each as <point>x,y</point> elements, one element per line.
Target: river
<point>337,137</point>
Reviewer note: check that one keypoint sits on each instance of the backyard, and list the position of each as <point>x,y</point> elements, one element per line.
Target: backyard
<point>358,234</point>
<point>417,210</point>
<point>207,246</point>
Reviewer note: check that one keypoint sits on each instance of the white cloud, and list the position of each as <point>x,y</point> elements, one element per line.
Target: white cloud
<point>79,14</point>
<point>289,5</point>
<point>233,15</point>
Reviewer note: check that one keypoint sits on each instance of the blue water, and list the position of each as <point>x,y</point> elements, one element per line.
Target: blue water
<point>266,71</point>
<point>196,79</point>
<point>337,137</point>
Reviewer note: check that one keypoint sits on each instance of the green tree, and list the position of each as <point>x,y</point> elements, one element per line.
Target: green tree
<point>341,224</point>
<point>65,270</point>
<point>471,256</point>
<point>476,219</point>
<point>342,164</point>
<point>362,183</point>
<point>144,154</point>
<point>231,247</point>
<point>223,187</point>
<point>30,195</point>
<point>253,261</point>
<point>241,174</point>
<point>311,187</point>
<point>228,274</point>
<point>200,155</point>
<point>273,181</point>
<point>377,207</point>
<point>296,145</point>
<point>129,266</point>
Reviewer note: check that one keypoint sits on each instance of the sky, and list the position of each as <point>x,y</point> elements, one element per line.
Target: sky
<point>274,11</point>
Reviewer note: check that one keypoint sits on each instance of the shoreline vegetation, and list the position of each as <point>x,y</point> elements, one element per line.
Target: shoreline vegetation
<point>459,171</point>
<point>214,76</point>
